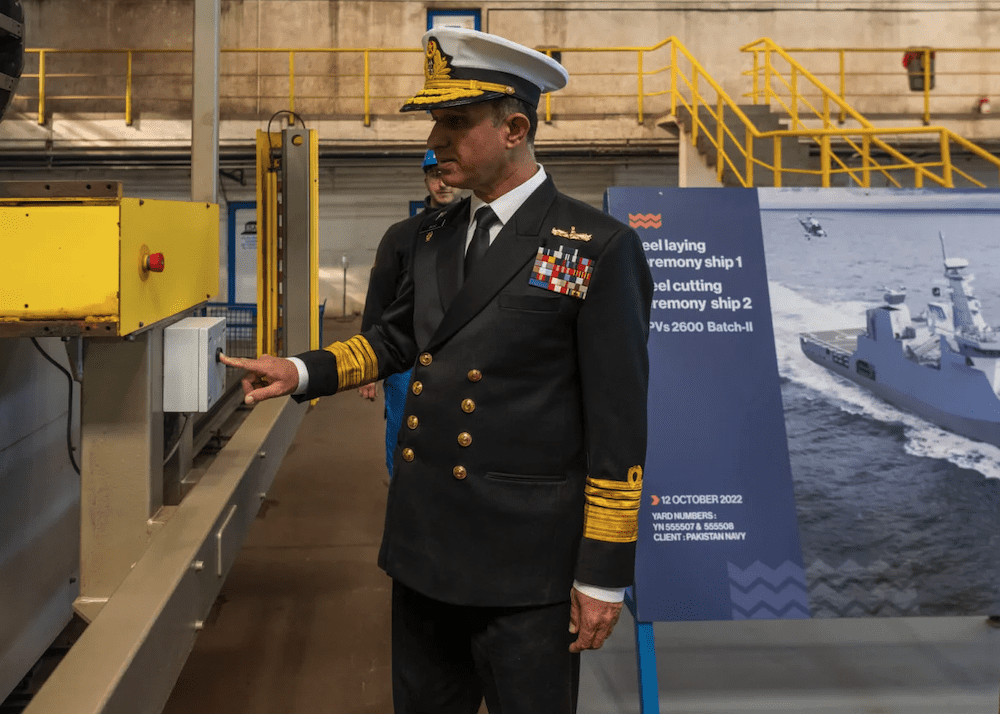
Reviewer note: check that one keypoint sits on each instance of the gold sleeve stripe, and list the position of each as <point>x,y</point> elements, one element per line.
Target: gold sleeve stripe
<point>615,503</point>
<point>608,493</point>
<point>610,527</point>
<point>614,484</point>
<point>611,512</point>
<point>356,362</point>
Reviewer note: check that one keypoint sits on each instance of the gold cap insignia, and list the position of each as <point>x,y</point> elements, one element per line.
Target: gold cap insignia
<point>440,86</point>
<point>571,234</point>
<point>437,62</point>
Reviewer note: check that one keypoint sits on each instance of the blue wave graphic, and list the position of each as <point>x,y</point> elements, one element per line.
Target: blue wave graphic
<point>760,592</point>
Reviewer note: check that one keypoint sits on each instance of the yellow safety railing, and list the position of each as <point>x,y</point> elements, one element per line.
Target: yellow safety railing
<point>780,79</point>
<point>655,80</point>
<point>954,79</point>
<point>126,75</point>
<point>356,78</point>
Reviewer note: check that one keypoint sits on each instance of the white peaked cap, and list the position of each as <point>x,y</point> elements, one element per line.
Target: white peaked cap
<point>466,66</point>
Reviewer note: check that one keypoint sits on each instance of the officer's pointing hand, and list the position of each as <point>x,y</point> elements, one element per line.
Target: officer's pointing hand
<point>267,376</point>
<point>592,620</point>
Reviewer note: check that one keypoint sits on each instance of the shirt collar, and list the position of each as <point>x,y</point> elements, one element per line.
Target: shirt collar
<point>506,206</point>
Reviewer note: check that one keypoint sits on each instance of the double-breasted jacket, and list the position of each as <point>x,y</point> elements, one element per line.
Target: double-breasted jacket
<point>519,463</point>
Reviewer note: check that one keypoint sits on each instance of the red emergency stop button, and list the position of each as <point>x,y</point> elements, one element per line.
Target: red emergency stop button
<point>155,262</point>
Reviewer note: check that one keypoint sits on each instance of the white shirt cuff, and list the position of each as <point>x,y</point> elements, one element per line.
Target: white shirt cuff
<point>303,375</point>
<point>599,593</point>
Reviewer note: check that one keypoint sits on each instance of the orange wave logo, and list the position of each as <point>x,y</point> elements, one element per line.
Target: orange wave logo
<point>645,220</point>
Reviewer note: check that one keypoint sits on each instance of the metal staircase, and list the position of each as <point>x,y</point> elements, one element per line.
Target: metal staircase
<point>811,142</point>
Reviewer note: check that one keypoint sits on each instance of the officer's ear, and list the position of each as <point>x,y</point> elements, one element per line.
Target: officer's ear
<point>517,126</point>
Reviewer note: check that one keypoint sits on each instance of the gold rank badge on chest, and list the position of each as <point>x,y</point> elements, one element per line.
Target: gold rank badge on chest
<point>562,272</point>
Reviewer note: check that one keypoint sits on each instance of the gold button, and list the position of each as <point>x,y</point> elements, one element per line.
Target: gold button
<point>426,359</point>
<point>475,375</point>
<point>408,454</point>
<point>418,387</point>
<point>412,422</point>
<point>460,472</point>
<point>468,406</point>
<point>465,438</point>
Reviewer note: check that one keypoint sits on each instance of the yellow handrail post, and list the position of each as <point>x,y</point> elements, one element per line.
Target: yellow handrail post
<point>756,68</point>
<point>866,160</point>
<point>749,156</point>
<point>128,90</point>
<point>946,159</point>
<point>794,89</point>
<point>843,90</point>
<point>826,112</point>
<point>694,106</point>
<point>291,87</point>
<point>720,138</point>
<point>824,159</point>
<point>368,92</point>
<point>777,162</point>
<point>767,76</point>
<point>41,87</point>
<point>918,176</point>
<point>673,78</point>
<point>927,86</point>
<point>639,55</point>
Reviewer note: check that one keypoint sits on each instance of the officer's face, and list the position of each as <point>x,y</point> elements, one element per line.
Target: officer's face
<point>441,193</point>
<point>470,150</point>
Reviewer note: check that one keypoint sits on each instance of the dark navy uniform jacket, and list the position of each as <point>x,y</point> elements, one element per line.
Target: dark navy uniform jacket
<point>519,464</point>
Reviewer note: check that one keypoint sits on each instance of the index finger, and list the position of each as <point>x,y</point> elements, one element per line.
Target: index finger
<point>238,362</point>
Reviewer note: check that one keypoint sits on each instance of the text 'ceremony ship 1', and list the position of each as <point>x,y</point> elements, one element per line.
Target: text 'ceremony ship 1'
<point>943,365</point>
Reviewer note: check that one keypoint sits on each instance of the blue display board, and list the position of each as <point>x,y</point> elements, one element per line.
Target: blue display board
<point>718,534</point>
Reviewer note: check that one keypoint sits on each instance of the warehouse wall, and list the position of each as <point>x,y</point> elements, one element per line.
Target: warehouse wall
<point>330,84</point>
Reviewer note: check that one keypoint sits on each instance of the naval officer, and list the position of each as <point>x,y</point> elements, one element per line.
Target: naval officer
<point>512,516</point>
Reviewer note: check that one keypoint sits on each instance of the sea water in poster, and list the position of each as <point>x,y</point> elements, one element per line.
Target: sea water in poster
<point>899,513</point>
<point>896,502</point>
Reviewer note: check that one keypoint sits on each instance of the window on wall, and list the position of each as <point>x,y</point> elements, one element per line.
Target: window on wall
<point>469,19</point>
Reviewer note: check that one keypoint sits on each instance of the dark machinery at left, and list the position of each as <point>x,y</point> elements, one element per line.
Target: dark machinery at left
<point>11,50</point>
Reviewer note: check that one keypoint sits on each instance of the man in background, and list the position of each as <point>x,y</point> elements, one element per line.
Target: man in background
<point>391,261</point>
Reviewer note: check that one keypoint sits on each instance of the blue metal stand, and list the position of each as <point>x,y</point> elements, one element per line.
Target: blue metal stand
<point>645,651</point>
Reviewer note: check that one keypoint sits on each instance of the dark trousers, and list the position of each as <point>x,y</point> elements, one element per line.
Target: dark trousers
<point>447,658</point>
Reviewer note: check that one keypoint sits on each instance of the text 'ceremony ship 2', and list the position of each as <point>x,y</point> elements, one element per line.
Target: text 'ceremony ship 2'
<point>943,365</point>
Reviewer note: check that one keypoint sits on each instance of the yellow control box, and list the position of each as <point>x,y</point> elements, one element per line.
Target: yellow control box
<point>99,264</point>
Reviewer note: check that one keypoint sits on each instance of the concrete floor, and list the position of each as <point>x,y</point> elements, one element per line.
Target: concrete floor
<point>302,627</point>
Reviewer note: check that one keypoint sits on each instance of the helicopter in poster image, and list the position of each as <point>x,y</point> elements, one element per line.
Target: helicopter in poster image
<point>811,227</point>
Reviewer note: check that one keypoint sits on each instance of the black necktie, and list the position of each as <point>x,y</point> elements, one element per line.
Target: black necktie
<point>485,217</point>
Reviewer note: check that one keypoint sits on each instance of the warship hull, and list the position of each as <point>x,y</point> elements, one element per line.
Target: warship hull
<point>951,395</point>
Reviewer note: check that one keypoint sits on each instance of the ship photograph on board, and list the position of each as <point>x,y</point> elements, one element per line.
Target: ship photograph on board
<point>941,364</point>
<point>889,361</point>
